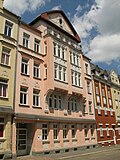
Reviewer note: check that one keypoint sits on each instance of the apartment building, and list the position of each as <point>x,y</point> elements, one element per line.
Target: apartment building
<point>8,45</point>
<point>54,106</point>
<point>104,110</point>
<point>115,91</point>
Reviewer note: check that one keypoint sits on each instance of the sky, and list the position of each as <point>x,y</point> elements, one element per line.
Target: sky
<point>96,21</point>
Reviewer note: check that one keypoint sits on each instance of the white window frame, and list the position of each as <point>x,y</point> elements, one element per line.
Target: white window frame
<point>86,131</point>
<point>73,130</point>
<point>36,98</point>
<point>24,64</point>
<point>5,55</point>
<point>37,45</point>
<point>4,83</point>
<point>55,131</point>
<point>23,93</point>
<point>101,130</point>
<point>36,70</point>
<point>8,28</point>
<point>107,130</point>
<point>44,132</point>
<point>26,38</point>
<point>65,131</point>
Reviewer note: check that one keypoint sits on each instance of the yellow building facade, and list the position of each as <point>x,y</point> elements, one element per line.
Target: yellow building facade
<point>115,89</point>
<point>8,50</point>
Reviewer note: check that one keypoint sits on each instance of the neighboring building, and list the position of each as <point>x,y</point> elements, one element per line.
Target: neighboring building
<point>115,90</point>
<point>8,45</point>
<point>104,111</point>
<point>54,107</point>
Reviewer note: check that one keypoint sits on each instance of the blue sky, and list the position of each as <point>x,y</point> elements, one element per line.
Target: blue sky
<point>96,21</point>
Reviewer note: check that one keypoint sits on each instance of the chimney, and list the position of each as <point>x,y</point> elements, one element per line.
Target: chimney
<point>1,4</point>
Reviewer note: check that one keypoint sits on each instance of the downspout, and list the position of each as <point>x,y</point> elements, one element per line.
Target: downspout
<point>13,115</point>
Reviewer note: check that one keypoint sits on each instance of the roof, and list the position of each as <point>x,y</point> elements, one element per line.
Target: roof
<point>30,27</point>
<point>44,16</point>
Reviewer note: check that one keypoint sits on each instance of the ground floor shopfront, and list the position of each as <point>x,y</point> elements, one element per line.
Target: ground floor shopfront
<point>30,136</point>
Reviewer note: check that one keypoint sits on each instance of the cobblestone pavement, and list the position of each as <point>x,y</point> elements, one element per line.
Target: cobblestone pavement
<point>106,153</point>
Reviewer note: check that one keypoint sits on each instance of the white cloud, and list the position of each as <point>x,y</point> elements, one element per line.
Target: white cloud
<point>57,7</point>
<point>104,17</point>
<point>20,6</point>
<point>105,48</point>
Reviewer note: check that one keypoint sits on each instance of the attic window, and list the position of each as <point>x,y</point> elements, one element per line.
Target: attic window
<point>60,21</point>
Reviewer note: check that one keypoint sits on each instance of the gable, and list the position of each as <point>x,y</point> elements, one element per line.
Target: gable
<point>60,21</point>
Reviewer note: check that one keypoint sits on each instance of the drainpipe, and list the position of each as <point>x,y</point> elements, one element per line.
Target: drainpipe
<point>12,118</point>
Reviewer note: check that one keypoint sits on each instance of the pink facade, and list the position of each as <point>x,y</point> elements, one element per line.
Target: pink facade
<point>54,107</point>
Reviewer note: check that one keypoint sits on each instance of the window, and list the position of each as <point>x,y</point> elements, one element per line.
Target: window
<point>101,131</point>
<point>76,78</point>
<point>65,131</point>
<point>45,47</point>
<point>90,107</point>
<point>36,70</point>
<point>50,101</point>
<point>92,130</point>
<point>59,51</point>
<point>55,49</point>
<point>55,102</point>
<point>24,66</point>
<point>8,28</point>
<point>85,131</point>
<point>88,87</point>
<point>55,129</point>
<point>26,40</point>
<point>64,75</point>
<point>45,71</point>
<point>3,88</point>
<point>37,45</point>
<point>107,129</point>
<point>44,132</point>
<point>59,102</point>
<point>73,131</point>
<point>74,58</point>
<point>72,104</point>
<point>119,129</point>
<point>97,93</point>
<point>86,68</point>
<point>23,95</point>
<point>63,53</point>
<point>36,98</point>
<point>5,56</point>
<point>1,127</point>
<point>60,73</point>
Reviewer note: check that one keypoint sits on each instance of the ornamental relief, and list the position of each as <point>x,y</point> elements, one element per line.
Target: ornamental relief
<point>4,74</point>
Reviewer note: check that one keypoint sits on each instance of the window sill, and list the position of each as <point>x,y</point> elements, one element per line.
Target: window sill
<point>61,81</point>
<point>89,93</point>
<point>2,139</point>
<point>46,111</point>
<point>24,105</point>
<point>38,78</point>
<point>37,107</point>
<point>56,141</point>
<point>4,65</point>
<point>23,74</point>
<point>45,141</point>
<point>74,140</point>
<point>65,140</point>
<point>87,138</point>
<point>91,113</point>
<point>77,86</point>
<point>4,98</point>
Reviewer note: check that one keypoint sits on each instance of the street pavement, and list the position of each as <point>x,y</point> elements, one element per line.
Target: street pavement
<point>101,153</point>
